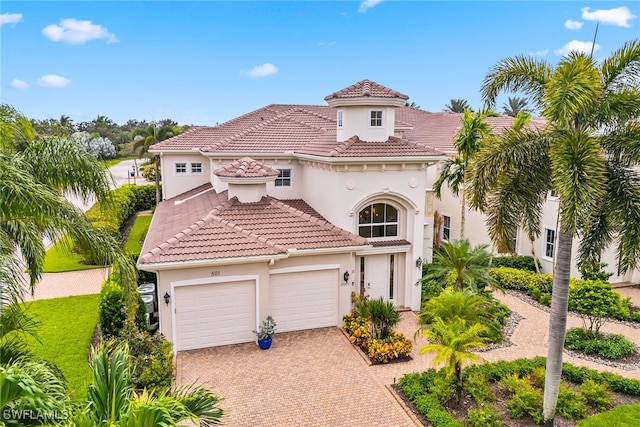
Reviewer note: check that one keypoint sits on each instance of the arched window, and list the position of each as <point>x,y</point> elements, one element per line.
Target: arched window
<point>378,220</point>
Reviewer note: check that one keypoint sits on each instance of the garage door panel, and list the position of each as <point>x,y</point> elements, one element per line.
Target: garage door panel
<point>215,314</point>
<point>304,300</point>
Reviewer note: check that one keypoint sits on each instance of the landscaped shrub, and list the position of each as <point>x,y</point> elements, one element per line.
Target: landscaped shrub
<point>610,346</point>
<point>570,405</point>
<point>112,315</point>
<point>520,280</point>
<point>433,411</point>
<point>616,383</point>
<point>527,401</point>
<point>383,315</point>
<point>144,197</point>
<point>596,394</point>
<point>360,330</point>
<point>484,416</point>
<point>521,262</point>
<point>595,271</point>
<point>595,301</point>
<point>395,346</point>
<point>152,360</point>
<point>430,289</point>
<point>477,385</point>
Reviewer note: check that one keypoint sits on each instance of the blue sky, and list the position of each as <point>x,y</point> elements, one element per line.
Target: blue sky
<point>206,62</point>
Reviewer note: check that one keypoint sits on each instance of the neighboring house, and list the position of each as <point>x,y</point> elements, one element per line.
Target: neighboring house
<point>288,210</point>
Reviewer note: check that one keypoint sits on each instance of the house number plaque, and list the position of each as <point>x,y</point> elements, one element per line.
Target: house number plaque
<point>215,273</point>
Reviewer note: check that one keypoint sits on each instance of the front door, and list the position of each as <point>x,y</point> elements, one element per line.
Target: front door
<point>378,276</point>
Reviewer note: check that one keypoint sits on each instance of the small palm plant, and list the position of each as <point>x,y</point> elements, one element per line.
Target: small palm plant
<point>467,266</point>
<point>452,342</point>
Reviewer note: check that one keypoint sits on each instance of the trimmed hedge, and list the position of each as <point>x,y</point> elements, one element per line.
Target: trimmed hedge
<point>121,204</point>
<point>521,280</point>
<point>112,315</point>
<point>521,262</point>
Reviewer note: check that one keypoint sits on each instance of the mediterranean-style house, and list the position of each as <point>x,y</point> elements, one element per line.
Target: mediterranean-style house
<point>289,209</point>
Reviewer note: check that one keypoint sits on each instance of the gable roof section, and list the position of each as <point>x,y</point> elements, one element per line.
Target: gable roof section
<point>203,225</point>
<point>365,88</point>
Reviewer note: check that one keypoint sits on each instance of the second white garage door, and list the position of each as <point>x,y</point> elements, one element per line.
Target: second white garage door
<point>215,314</point>
<point>304,300</point>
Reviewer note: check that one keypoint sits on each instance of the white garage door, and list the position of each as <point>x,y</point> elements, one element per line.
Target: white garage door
<point>304,300</point>
<point>215,314</point>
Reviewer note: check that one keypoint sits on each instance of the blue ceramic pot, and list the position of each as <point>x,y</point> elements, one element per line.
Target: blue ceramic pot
<point>265,343</point>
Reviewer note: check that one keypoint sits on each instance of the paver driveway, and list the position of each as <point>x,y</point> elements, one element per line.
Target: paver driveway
<point>306,378</point>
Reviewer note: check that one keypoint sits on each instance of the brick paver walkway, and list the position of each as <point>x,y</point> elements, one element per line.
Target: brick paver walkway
<point>317,378</point>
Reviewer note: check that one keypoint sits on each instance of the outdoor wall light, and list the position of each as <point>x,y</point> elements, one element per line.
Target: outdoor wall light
<point>167,298</point>
<point>345,276</point>
<point>419,262</point>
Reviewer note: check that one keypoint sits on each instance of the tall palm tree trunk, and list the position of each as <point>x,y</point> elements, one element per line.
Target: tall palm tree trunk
<point>463,211</point>
<point>557,325</point>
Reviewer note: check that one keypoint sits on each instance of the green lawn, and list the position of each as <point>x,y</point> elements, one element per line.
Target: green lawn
<point>138,233</point>
<point>60,258</point>
<point>66,329</point>
<point>621,416</point>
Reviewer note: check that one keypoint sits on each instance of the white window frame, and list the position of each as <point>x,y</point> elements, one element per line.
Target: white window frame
<point>180,168</point>
<point>446,227</point>
<point>195,165</point>
<point>371,118</point>
<point>284,179</point>
<point>552,195</point>
<point>546,243</point>
<point>340,119</point>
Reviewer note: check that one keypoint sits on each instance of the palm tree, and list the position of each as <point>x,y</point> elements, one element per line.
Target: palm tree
<point>587,153</point>
<point>112,399</point>
<point>449,305</point>
<point>515,105</point>
<point>458,262</point>
<point>143,138</point>
<point>467,141</point>
<point>411,104</point>
<point>457,106</point>
<point>452,341</point>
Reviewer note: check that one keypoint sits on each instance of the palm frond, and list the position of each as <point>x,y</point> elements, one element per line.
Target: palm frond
<point>517,74</point>
<point>622,67</point>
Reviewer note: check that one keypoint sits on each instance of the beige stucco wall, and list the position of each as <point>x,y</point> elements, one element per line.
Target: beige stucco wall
<point>357,121</point>
<point>174,184</point>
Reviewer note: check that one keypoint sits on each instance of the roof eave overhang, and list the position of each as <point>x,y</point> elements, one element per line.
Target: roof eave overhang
<point>365,101</point>
<point>247,180</point>
<point>174,151</point>
<point>372,250</point>
<point>176,265</point>
<point>397,159</point>
<point>254,155</point>
<point>326,251</point>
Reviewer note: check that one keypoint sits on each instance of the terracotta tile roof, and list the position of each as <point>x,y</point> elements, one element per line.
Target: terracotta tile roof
<point>278,128</point>
<point>389,243</point>
<point>230,229</point>
<point>355,147</point>
<point>366,88</point>
<point>246,167</point>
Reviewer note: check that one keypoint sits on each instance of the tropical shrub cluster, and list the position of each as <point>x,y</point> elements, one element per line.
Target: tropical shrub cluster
<point>370,326</point>
<point>521,262</point>
<point>151,360</point>
<point>112,313</point>
<point>594,299</point>
<point>522,381</point>
<point>609,346</point>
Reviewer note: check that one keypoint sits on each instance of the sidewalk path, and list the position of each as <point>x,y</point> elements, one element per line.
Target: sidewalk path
<point>56,285</point>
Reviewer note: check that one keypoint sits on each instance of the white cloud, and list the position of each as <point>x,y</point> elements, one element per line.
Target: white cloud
<point>577,46</point>
<point>53,80</point>
<point>263,70</point>
<point>573,25</point>
<point>539,53</point>
<point>619,16</point>
<point>19,84</point>
<point>368,4</point>
<point>77,32</point>
<point>10,18</point>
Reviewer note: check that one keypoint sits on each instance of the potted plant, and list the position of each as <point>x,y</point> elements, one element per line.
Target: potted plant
<point>265,332</point>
